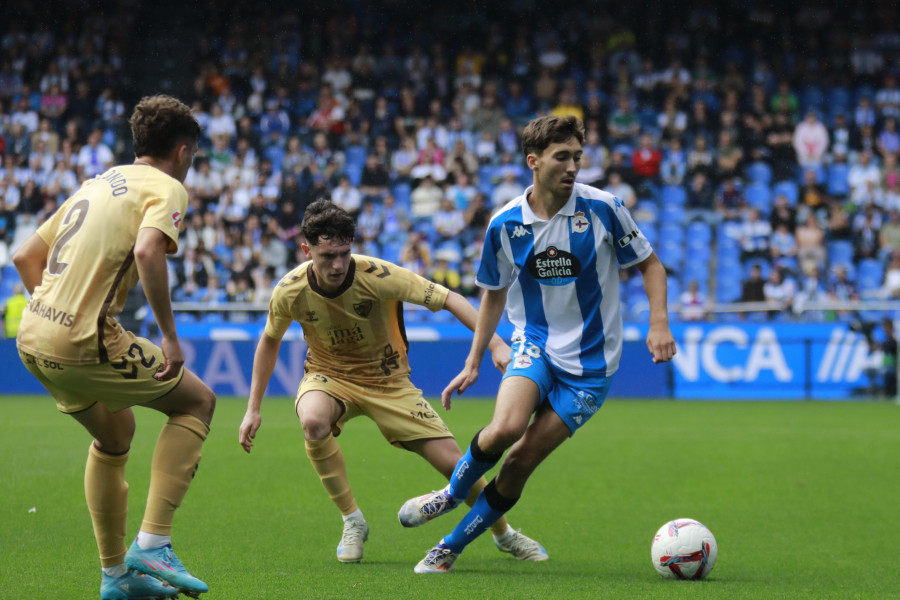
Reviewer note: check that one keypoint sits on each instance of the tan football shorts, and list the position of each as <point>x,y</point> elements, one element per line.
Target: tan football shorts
<point>120,383</point>
<point>401,412</point>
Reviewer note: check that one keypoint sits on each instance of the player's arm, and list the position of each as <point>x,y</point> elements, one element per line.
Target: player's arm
<point>460,308</point>
<point>659,339</point>
<point>492,305</point>
<point>30,261</point>
<point>263,364</point>
<point>150,259</point>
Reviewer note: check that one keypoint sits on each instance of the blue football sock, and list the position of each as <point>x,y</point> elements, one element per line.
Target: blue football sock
<point>489,507</point>
<point>473,464</point>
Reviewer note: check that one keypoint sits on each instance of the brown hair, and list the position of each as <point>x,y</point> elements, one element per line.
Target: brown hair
<point>543,131</point>
<point>325,219</point>
<point>160,123</point>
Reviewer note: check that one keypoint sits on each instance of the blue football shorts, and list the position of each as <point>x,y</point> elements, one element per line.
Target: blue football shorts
<point>575,398</point>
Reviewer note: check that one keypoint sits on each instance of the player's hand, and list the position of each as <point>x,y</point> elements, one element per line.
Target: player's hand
<point>501,355</point>
<point>249,427</point>
<point>661,344</point>
<point>174,359</point>
<point>459,384</point>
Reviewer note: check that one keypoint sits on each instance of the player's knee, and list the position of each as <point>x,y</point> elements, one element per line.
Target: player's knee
<point>497,437</point>
<point>207,405</point>
<point>115,441</point>
<point>314,427</point>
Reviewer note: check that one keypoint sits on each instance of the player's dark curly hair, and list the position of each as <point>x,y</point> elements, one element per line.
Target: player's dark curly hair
<point>543,131</point>
<point>160,123</point>
<point>325,219</point>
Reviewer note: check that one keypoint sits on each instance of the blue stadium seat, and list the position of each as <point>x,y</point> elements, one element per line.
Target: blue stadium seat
<point>695,271</point>
<point>672,214</point>
<point>812,96</point>
<point>728,289</point>
<point>355,155</point>
<point>391,252</point>
<point>671,253</point>
<point>759,196</point>
<point>759,172</point>
<point>673,195</point>
<point>671,232</point>
<point>645,211</point>
<point>354,173</point>
<point>763,264</point>
<point>840,252</point>
<point>839,98</point>
<point>650,232</point>
<point>870,274</point>
<point>838,184</point>
<point>699,231</point>
<point>402,195</point>
<point>787,189</point>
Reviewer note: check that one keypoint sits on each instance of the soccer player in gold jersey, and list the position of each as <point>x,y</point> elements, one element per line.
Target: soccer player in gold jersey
<point>78,267</point>
<point>350,308</point>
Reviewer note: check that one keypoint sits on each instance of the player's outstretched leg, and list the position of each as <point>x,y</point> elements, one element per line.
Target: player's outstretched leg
<point>356,531</point>
<point>135,586</point>
<point>520,545</point>
<point>439,559</point>
<point>420,510</point>
<point>164,565</point>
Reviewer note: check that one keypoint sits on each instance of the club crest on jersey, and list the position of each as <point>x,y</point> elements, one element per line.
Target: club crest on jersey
<point>363,308</point>
<point>580,224</point>
<point>554,266</point>
<point>176,219</point>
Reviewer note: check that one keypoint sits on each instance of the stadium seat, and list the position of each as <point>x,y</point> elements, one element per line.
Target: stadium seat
<point>870,274</point>
<point>759,196</point>
<point>402,195</point>
<point>838,184</point>
<point>728,289</point>
<point>673,195</point>
<point>759,172</point>
<point>840,252</point>
<point>671,232</point>
<point>839,99</point>
<point>789,190</point>
<point>812,97</point>
<point>762,263</point>
<point>671,254</point>
<point>672,214</point>
<point>355,155</point>
<point>695,271</point>
<point>699,231</point>
<point>650,232</point>
<point>645,211</point>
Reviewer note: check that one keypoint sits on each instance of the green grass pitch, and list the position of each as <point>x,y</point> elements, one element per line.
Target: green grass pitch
<point>803,497</point>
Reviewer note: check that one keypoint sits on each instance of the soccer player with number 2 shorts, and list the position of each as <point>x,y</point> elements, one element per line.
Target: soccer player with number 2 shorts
<point>551,257</point>
<point>350,308</point>
<point>78,267</point>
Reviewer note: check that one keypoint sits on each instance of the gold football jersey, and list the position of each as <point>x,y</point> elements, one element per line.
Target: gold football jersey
<point>358,331</point>
<point>90,266</point>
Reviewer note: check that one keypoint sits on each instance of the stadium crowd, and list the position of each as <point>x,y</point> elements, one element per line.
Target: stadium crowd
<point>760,162</point>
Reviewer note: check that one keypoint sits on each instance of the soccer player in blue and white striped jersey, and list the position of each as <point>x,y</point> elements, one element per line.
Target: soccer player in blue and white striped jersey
<point>551,257</point>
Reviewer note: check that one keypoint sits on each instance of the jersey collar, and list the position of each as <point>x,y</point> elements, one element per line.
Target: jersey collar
<point>348,281</point>
<point>528,216</point>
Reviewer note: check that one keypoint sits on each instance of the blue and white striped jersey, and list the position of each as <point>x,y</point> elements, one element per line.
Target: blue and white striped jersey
<point>563,276</point>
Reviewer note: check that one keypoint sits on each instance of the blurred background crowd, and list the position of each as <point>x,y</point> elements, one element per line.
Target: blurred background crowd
<point>756,147</point>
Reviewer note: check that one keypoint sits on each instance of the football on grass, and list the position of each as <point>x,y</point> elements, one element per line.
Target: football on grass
<point>684,549</point>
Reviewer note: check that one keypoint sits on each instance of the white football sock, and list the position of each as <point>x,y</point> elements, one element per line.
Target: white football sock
<point>146,541</point>
<point>115,570</point>
<point>356,514</point>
